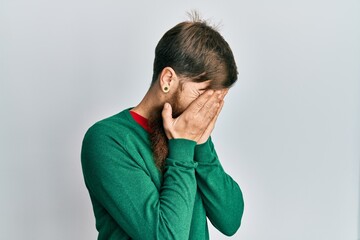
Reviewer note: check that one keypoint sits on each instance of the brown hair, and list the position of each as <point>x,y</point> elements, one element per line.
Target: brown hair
<point>196,51</point>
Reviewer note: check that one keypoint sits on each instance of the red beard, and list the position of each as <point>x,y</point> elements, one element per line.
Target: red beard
<point>157,136</point>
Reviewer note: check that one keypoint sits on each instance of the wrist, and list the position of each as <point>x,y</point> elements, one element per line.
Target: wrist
<point>202,140</point>
<point>204,152</point>
<point>181,149</point>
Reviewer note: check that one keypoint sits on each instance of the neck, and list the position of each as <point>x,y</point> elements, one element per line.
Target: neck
<point>152,102</point>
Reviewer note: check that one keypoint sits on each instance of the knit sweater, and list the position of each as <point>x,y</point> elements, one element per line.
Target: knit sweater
<point>132,199</point>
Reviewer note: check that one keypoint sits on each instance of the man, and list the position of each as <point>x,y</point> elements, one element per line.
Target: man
<point>152,171</point>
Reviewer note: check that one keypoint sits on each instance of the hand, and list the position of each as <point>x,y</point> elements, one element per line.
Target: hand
<point>211,126</point>
<point>195,120</point>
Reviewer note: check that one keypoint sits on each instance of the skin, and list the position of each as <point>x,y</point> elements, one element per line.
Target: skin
<point>198,106</point>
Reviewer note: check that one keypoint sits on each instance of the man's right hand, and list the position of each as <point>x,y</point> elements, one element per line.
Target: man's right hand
<point>193,122</point>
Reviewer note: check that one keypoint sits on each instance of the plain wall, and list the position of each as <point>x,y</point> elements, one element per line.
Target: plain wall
<point>288,134</point>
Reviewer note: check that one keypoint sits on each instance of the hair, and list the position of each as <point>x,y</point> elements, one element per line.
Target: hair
<point>196,51</point>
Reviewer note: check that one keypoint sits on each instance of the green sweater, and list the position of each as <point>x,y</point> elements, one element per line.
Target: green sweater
<point>132,199</point>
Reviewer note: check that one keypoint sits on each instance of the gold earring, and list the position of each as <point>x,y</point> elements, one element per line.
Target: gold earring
<point>166,89</point>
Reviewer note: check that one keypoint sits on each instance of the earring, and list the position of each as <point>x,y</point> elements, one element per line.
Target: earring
<point>166,89</point>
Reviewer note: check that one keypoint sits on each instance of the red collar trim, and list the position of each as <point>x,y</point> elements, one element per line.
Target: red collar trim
<point>143,122</point>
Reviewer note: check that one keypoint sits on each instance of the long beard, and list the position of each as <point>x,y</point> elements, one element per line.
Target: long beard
<point>157,136</point>
<point>159,142</point>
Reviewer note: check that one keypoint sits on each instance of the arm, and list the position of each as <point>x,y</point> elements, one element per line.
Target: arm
<point>221,195</point>
<point>129,195</point>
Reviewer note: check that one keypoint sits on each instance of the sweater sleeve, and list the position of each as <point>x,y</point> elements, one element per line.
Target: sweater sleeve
<point>128,194</point>
<point>221,195</point>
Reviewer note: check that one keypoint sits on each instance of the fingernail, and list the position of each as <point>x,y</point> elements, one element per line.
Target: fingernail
<point>210,92</point>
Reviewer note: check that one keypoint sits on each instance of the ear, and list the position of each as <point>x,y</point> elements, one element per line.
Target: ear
<point>168,79</point>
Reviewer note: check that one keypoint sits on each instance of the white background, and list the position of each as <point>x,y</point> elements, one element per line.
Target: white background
<point>288,134</point>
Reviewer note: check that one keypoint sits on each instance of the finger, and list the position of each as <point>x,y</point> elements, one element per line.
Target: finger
<point>218,112</point>
<point>213,121</point>
<point>226,90</point>
<point>223,93</point>
<point>167,115</point>
<point>210,108</point>
<point>211,125</point>
<point>199,103</point>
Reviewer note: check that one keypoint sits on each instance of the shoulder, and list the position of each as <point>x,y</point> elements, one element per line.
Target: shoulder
<point>111,139</point>
<point>115,127</point>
